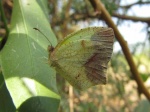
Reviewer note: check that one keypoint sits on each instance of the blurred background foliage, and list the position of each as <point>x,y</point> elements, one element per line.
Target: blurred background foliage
<point>121,94</point>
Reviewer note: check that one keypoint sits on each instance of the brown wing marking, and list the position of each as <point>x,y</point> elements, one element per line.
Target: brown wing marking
<point>96,65</point>
<point>95,71</point>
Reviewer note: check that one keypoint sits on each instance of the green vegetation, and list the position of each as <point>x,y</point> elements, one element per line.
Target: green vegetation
<point>29,84</point>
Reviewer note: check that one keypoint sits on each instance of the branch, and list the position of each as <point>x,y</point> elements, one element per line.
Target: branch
<point>106,16</point>
<point>67,9</point>
<point>3,17</point>
<point>81,16</point>
<point>136,3</point>
<point>132,18</point>
<point>54,12</point>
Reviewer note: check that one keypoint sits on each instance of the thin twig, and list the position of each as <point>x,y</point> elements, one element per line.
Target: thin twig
<point>5,23</point>
<point>67,9</point>
<point>136,3</point>
<point>133,18</point>
<point>4,17</point>
<point>71,98</point>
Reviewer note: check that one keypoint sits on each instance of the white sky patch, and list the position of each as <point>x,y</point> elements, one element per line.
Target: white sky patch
<point>116,47</point>
<point>126,2</point>
<point>141,11</point>
<point>133,32</point>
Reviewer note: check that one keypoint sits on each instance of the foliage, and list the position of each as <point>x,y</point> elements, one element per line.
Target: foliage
<point>121,94</point>
<point>30,81</point>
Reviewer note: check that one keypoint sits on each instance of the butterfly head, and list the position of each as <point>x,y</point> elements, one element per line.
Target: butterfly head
<point>50,48</point>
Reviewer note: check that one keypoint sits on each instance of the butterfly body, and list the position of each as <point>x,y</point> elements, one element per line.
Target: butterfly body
<point>82,57</point>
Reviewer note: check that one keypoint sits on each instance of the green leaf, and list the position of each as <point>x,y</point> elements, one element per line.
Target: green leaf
<point>6,104</point>
<point>24,58</point>
<point>143,106</point>
<point>144,76</point>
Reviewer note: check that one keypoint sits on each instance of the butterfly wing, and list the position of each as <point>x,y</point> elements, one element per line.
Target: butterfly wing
<point>83,56</point>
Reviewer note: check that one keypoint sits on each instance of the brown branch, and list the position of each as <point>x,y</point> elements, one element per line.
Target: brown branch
<point>54,12</point>
<point>71,103</point>
<point>64,25</point>
<point>132,18</point>
<point>106,16</point>
<point>67,9</point>
<point>81,16</point>
<point>136,3</point>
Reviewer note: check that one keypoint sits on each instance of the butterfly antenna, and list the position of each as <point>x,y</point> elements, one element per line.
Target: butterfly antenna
<point>43,34</point>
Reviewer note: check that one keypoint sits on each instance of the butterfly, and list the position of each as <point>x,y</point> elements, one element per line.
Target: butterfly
<point>82,57</point>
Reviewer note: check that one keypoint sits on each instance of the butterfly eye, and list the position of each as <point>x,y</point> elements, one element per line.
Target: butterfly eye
<point>50,48</point>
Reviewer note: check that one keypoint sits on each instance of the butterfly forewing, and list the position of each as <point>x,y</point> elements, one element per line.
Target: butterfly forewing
<point>83,56</point>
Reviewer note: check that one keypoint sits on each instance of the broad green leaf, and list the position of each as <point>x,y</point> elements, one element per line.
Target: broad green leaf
<point>24,58</point>
<point>6,104</point>
<point>143,106</point>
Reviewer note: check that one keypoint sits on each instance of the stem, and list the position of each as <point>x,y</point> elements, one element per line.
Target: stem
<point>4,19</point>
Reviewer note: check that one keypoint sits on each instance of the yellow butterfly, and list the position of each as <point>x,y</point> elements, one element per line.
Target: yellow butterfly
<point>82,57</point>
